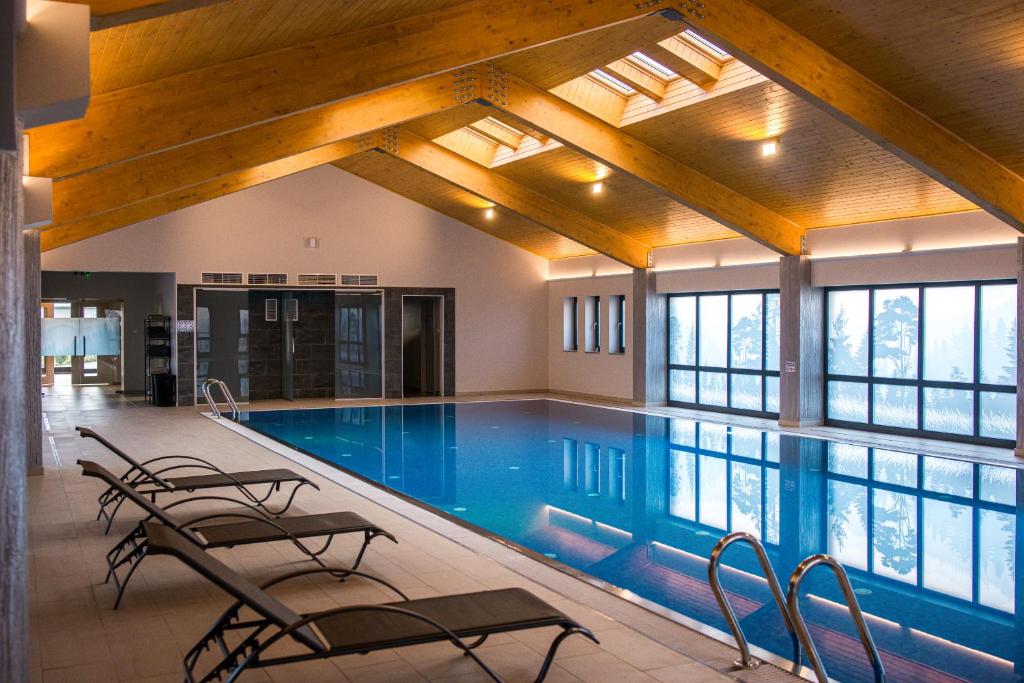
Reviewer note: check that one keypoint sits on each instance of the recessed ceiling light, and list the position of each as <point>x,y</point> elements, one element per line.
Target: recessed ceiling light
<point>597,188</point>
<point>489,214</point>
<point>769,148</point>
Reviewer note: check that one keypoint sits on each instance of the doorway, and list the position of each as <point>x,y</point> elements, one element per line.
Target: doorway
<point>422,345</point>
<point>358,342</point>
<point>81,342</point>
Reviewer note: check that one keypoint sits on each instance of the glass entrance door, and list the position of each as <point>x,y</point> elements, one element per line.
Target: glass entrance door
<point>81,341</point>
<point>357,332</point>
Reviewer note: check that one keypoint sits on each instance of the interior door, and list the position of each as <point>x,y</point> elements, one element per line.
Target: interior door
<point>357,333</point>
<point>222,340</point>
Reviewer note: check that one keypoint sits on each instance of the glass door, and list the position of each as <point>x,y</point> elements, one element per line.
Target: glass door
<point>222,340</point>
<point>357,332</point>
<point>81,342</point>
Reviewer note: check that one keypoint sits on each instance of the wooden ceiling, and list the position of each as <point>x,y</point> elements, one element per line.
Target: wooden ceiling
<point>679,156</point>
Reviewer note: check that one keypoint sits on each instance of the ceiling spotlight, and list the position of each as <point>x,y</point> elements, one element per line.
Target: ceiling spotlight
<point>769,148</point>
<point>597,188</point>
<point>489,214</point>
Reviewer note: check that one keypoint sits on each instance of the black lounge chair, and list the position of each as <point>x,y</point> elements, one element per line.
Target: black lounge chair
<point>351,629</point>
<point>147,481</point>
<point>249,527</point>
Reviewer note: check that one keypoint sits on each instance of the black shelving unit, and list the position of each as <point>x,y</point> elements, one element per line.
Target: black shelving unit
<point>158,349</point>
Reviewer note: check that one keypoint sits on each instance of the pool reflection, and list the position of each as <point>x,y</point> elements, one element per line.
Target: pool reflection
<point>640,500</point>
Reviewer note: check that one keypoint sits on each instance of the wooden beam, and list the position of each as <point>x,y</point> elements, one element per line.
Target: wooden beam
<point>642,82</point>
<point>63,234</point>
<point>788,58</point>
<point>110,13</point>
<point>118,185</point>
<point>604,142</point>
<point>498,132</point>
<point>685,60</point>
<point>504,192</point>
<point>183,107</point>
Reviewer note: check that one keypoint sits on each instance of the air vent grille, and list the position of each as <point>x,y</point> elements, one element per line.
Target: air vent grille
<point>291,309</point>
<point>270,310</point>
<point>318,279</point>
<point>358,280</point>
<point>222,278</point>
<point>268,279</point>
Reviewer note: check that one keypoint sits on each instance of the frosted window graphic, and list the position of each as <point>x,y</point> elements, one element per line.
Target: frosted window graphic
<point>724,351</point>
<point>924,358</point>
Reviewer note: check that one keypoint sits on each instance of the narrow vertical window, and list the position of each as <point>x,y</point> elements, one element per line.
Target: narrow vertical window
<point>570,339</point>
<point>592,324</point>
<point>617,324</point>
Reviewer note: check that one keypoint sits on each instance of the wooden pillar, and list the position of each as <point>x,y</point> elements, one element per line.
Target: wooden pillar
<point>801,325</point>
<point>33,378</point>
<point>13,423</point>
<point>650,360</point>
<point>1019,451</point>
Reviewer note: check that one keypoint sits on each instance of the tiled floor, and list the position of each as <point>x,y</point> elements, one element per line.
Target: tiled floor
<point>76,636</point>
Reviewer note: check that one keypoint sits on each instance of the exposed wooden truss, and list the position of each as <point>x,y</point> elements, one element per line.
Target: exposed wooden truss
<point>600,140</point>
<point>62,234</point>
<point>787,57</point>
<point>120,124</point>
<point>503,192</point>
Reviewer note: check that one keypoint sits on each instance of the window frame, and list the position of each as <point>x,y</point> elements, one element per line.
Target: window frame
<point>975,386</point>
<point>728,370</point>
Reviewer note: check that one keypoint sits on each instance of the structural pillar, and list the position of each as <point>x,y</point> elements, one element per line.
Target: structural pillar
<point>650,360</point>
<point>14,422</point>
<point>801,325</point>
<point>1019,450</point>
<point>33,378</point>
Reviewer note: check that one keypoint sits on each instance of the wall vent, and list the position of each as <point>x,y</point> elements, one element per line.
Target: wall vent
<point>268,279</point>
<point>358,280</point>
<point>291,309</point>
<point>318,279</point>
<point>270,310</point>
<point>222,278</point>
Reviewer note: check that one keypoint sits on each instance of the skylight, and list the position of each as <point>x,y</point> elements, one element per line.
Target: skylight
<point>656,68</point>
<point>707,45</point>
<point>612,82</point>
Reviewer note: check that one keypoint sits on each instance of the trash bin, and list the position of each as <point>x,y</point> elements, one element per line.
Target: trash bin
<point>164,389</point>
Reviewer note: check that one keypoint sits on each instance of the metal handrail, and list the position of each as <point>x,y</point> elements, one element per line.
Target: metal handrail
<point>793,601</point>
<point>746,661</point>
<point>208,394</point>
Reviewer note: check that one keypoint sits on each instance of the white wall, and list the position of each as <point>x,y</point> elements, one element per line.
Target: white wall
<point>501,329</point>
<point>577,372</point>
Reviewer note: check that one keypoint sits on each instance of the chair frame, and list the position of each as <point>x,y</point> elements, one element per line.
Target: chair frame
<point>131,550</point>
<point>149,482</point>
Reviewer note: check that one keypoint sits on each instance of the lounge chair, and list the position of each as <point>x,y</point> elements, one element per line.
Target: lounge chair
<point>351,629</point>
<point>147,481</point>
<point>248,527</point>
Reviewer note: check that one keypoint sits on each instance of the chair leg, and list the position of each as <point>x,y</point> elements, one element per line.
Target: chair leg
<point>571,630</point>
<point>134,559</point>
<point>110,517</point>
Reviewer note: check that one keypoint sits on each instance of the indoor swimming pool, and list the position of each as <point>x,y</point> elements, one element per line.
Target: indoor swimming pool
<point>638,501</point>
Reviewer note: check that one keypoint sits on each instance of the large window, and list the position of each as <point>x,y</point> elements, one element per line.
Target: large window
<point>724,351</point>
<point>938,359</point>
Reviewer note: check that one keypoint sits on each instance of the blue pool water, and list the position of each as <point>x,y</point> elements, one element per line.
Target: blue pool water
<point>639,501</point>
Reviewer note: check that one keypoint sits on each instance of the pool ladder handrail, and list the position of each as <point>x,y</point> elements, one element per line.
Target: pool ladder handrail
<point>208,394</point>
<point>747,661</point>
<point>793,602</point>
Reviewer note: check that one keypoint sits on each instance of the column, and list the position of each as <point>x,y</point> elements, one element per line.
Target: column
<point>650,319</point>
<point>33,378</point>
<point>801,325</point>
<point>14,422</point>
